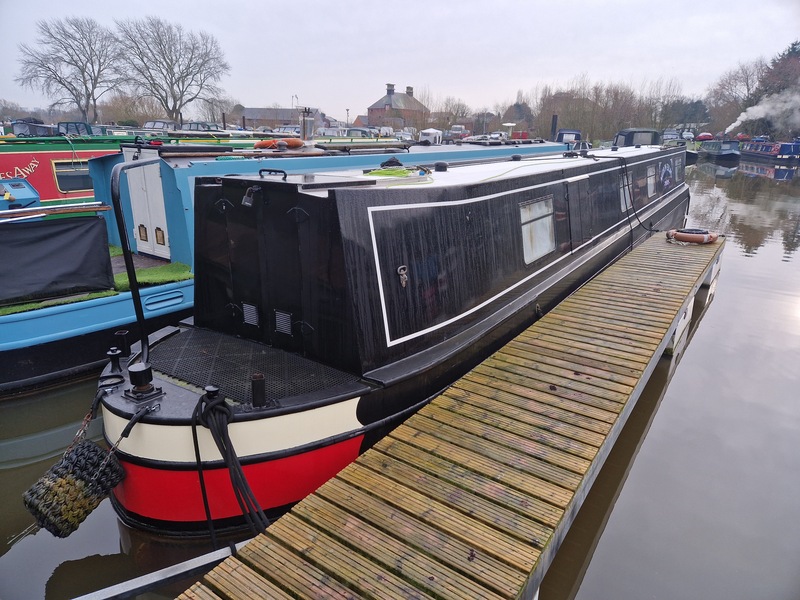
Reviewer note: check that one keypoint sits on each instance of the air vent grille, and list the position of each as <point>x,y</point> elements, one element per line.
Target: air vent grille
<point>283,322</point>
<point>250,314</point>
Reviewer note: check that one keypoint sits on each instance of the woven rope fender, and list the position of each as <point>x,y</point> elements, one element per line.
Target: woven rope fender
<point>73,487</point>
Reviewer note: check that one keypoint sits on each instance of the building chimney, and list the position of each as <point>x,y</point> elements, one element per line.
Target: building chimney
<point>409,91</point>
<point>389,89</point>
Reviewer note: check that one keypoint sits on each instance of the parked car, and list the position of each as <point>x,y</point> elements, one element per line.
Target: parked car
<point>670,134</point>
<point>404,136</point>
<point>288,129</point>
<point>202,126</point>
<point>742,137</point>
<point>687,135</point>
<point>702,137</point>
<point>161,125</point>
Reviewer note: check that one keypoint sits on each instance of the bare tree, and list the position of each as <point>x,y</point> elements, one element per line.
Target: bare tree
<point>218,109</point>
<point>126,105</point>
<point>170,64</point>
<point>73,61</point>
<point>734,92</point>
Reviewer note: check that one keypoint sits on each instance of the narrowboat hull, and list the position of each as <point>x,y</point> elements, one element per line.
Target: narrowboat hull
<point>349,344</point>
<point>53,344</point>
<point>784,154</point>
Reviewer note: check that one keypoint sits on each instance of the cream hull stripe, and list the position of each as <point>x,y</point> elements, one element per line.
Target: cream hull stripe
<point>173,443</point>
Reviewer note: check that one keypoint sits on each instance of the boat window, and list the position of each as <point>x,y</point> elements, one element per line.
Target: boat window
<point>624,192</point>
<point>72,175</point>
<point>651,181</point>
<point>538,231</point>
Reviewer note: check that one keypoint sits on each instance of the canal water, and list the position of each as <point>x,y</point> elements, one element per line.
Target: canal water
<point>699,499</point>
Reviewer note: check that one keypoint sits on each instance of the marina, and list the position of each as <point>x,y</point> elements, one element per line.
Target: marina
<point>766,249</point>
<point>382,326</point>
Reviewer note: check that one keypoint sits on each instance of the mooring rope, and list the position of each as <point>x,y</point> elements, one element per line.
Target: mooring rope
<point>214,413</point>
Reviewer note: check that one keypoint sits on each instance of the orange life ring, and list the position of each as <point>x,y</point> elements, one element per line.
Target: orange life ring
<point>692,236</point>
<point>273,143</point>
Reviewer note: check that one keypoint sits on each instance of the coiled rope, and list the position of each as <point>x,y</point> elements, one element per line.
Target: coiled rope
<point>214,413</point>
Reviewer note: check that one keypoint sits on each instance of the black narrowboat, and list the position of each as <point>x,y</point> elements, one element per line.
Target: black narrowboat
<point>329,307</point>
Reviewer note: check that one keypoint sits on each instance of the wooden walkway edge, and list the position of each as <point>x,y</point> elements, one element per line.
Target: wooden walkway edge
<point>472,496</point>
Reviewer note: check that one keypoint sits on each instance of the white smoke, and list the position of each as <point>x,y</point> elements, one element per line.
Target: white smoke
<point>783,109</point>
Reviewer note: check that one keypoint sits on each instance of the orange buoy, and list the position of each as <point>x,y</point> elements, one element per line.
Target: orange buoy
<point>273,143</point>
<point>692,236</point>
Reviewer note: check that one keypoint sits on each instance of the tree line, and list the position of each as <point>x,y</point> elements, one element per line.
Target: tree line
<point>148,68</point>
<point>77,62</point>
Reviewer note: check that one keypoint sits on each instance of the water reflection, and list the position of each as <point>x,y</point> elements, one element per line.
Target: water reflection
<point>752,205</point>
<point>768,171</point>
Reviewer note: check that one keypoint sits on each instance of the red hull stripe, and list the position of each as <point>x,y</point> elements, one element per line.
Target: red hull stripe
<point>170,495</point>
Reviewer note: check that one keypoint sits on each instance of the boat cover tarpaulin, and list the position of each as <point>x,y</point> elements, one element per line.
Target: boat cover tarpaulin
<point>50,258</point>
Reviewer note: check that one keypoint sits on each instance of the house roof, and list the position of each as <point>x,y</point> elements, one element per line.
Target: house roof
<point>398,101</point>
<point>275,114</point>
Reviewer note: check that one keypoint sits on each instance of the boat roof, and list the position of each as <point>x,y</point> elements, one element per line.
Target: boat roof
<point>479,172</point>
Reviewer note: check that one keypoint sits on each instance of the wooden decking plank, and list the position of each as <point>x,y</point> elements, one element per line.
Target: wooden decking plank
<point>527,415</point>
<point>431,540</point>
<point>583,356</point>
<point>485,373</point>
<point>646,288</point>
<point>405,561</point>
<point>564,452</point>
<point>560,436</point>
<point>516,552</point>
<point>234,580</point>
<point>499,517</point>
<point>464,477</point>
<point>625,309</point>
<point>612,355</point>
<point>537,459</point>
<point>361,574</point>
<point>573,383</point>
<point>600,331</point>
<point>579,415</point>
<point>525,480</point>
<point>564,318</point>
<point>286,568</point>
<point>587,375</point>
<point>569,363</point>
<point>199,591</point>
<point>614,288</point>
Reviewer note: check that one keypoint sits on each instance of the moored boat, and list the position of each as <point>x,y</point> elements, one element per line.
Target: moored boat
<point>720,151</point>
<point>61,305</point>
<point>775,153</point>
<point>330,306</point>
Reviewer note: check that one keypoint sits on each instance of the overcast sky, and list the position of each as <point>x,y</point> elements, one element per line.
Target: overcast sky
<point>335,55</point>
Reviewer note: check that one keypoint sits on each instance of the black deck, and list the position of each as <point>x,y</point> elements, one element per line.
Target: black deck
<point>201,357</point>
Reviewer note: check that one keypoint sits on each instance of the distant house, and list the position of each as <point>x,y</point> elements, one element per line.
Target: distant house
<point>397,110</point>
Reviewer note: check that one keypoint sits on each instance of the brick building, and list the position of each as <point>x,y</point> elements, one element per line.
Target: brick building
<point>397,110</point>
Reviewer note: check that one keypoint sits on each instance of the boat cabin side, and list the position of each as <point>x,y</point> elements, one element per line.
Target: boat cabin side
<point>358,274</point>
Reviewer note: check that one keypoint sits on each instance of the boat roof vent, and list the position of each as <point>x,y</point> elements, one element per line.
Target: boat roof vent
<point>440,166</point>
<point>516,157</point>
